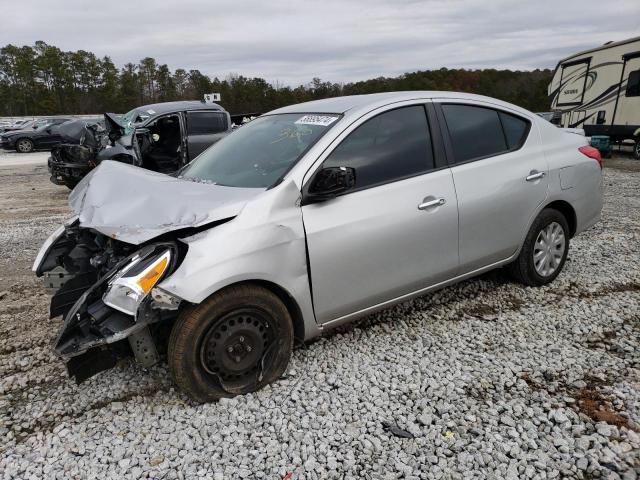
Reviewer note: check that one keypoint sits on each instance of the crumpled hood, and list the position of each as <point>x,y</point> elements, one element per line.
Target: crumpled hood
<point>135,205</point>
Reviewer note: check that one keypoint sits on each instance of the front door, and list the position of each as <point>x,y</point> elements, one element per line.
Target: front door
<point>396,232</point>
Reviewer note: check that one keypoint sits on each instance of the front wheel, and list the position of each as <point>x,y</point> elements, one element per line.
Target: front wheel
<point>236,342</point>
<point>545,249</point>
<point>636,149</point>
<point>24,145</point>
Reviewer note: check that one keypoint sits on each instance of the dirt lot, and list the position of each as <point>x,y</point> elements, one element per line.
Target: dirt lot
<point>492,380</point>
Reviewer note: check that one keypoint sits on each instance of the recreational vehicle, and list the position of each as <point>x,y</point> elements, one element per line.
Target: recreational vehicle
<point>599,90</point>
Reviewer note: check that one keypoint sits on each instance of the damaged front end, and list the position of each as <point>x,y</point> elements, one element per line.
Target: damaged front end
<point>76,155</point>
<point>104,289</point>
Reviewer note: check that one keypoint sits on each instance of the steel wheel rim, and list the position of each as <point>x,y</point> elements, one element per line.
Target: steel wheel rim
<point>24,146</point>
<point>235,346</point>
<point>548,249</point>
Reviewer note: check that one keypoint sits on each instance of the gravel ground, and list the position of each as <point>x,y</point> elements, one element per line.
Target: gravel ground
<point>486,378</point>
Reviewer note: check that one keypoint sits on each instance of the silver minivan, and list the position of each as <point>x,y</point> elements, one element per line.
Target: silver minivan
<point>307,218</point>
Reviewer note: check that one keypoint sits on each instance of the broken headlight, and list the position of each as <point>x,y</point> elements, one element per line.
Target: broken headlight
<point>133,283</point>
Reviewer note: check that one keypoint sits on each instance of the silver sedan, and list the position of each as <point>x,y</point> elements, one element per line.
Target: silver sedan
<point>307,218</point>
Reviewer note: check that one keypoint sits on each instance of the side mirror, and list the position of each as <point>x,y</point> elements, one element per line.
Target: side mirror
<point>330,182</point>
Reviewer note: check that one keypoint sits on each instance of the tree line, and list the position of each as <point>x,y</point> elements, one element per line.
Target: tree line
<point>44,80</point>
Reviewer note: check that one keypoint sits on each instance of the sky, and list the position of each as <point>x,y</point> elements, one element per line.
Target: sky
<point>291,42</point>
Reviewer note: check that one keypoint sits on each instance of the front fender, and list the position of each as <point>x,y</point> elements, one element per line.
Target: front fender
<point>267,245</point>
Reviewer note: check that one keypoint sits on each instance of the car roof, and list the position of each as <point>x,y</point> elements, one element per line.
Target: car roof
<point>179,106</point>
<point>359,103</point>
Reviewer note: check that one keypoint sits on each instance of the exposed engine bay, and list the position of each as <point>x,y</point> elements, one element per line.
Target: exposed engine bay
<point>76,155</point>
<point>103,289</point>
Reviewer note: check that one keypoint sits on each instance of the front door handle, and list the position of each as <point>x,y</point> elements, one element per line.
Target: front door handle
<point>534,175</point>
<point>431,203</point>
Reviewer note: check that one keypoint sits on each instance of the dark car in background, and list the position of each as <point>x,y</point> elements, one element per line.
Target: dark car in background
<point>75,154</point>
<point>42,135</point>
<point>162,137</point>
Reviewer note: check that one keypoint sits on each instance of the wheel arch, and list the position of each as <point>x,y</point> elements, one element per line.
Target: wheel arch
<point>567,210</point>
<point>285,297</point>
<point>18,140</point>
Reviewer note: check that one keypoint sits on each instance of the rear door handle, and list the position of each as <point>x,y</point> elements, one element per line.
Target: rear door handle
<point>431,203</point>
<point>534,175</point>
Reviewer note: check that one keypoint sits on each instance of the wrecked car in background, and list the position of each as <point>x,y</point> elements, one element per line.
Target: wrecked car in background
<point>162,137</point>
<point>304,219</point>
<point>75,154</point>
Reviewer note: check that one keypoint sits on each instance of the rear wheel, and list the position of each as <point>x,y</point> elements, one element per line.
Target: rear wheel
<point>636,149</point>
<point>544,251</point>
<point>24,145</point>
<point>236,342</point>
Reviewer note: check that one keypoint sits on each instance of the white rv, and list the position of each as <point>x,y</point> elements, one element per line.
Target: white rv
<point>599,90</point>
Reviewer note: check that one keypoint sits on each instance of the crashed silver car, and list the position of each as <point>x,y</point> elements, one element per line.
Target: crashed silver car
<point>307,218</point>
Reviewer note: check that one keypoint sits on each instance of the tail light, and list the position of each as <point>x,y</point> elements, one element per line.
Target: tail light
<point>592,152</point>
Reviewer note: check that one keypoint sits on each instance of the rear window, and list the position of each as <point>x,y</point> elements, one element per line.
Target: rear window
<point>203,123</point>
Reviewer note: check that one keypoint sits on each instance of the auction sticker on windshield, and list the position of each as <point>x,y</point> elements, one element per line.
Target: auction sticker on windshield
<point>323,120</point>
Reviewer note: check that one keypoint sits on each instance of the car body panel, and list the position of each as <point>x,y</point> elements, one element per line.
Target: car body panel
<point>266,242</point>
<point>104,201</point>
<point>351,239</point>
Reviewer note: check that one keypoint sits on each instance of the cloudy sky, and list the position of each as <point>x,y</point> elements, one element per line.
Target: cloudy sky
<point>338,40</point>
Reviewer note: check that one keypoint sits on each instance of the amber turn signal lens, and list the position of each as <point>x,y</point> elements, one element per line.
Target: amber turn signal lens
<point>149,279</point>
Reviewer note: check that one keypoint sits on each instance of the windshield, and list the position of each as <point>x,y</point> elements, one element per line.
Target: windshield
<point>259,153</point>
<point>40,124</point>
<point>132,117</point>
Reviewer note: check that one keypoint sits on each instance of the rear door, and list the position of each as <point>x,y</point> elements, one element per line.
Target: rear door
<point>204,128</point>
<point>397,231</point>
<point>501,177</point>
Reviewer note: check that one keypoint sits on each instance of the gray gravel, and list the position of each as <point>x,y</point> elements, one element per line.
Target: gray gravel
<point>491,380</point>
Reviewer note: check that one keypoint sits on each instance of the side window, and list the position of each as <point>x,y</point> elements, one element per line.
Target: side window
<point>388,147</point>
<point>203,123</point>
<point>478,132</point>
<point>515,130</point>
<point>633,84</point>
<point>475,131</point>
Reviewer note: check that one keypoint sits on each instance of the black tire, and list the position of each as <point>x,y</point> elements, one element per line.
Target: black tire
<point>235,342</point>
<point>523,269</point>
<point>636,150</point>
<point>24,145</point>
